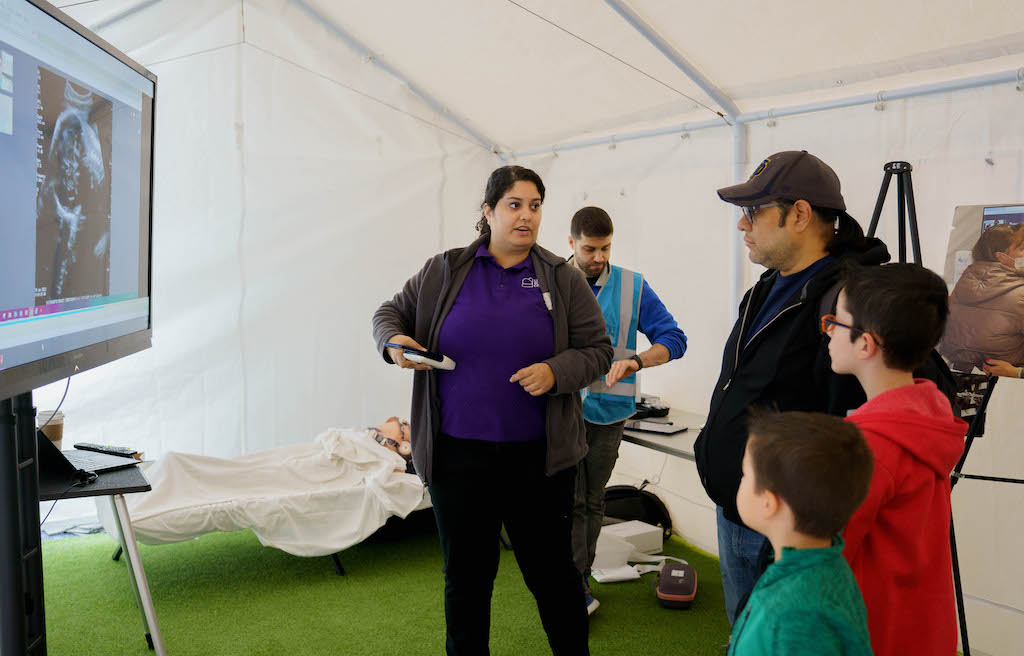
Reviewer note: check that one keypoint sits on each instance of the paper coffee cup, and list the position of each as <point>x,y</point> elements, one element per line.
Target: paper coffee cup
<point>52,425</point>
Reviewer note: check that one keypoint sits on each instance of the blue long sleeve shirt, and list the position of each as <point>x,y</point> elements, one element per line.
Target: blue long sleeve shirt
<point>656,323</point>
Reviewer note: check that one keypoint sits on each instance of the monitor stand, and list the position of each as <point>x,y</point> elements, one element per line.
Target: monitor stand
<point>22,620</point>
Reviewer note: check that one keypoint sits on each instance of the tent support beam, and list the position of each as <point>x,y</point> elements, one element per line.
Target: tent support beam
<point>739,251</point>
<point>127,13</point>
<point>364,52</point>
<point>674,56</point>
<point>739,278</point>
<point>992,79</point>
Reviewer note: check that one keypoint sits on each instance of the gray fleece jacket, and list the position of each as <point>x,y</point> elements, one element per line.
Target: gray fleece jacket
<point>582,354</point>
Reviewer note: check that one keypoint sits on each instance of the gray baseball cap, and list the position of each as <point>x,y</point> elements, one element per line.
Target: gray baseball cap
<point>790,175</point>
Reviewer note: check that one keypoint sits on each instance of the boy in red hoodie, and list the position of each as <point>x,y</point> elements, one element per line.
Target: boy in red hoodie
<point>887,321</point>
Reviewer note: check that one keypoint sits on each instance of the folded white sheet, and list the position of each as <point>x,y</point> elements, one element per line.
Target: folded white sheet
<point>309,499</point>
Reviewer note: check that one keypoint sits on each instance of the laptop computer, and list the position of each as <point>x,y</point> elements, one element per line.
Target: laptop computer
<point>97,462</point>
<point>56,466</point>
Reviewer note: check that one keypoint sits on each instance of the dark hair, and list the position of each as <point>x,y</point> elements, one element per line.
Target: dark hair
<point>997,239</point>
<point>500,182</point>
<point>844,233</point>
<point>592,222</point>
<point>818,464</point>
<point>904,306</point>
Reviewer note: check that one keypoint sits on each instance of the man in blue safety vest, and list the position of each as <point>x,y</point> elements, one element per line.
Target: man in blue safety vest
<point>629,305</point>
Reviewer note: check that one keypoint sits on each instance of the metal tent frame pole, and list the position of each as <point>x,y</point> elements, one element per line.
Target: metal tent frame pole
<point>992,79</point>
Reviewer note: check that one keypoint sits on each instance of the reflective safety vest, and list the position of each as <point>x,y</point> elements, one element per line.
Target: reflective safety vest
<point>619,299</point>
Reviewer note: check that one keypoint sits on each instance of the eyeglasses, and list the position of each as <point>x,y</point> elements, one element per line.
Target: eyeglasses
<point>829,322</point>
<point>749,212</point>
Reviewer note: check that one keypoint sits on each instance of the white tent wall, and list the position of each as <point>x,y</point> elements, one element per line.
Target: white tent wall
<point>288,204</point>
<point>343,203</point>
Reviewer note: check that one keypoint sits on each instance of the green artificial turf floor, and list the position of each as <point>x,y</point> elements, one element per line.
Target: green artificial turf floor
<point>226,594</point>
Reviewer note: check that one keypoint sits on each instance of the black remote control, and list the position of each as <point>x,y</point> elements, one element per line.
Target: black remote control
<point>109,450</point>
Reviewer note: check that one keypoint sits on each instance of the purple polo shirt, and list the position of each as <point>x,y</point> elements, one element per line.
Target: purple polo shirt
<point>498,325</point>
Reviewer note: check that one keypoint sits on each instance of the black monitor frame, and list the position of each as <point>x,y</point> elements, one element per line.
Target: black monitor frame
<point>27,377</point>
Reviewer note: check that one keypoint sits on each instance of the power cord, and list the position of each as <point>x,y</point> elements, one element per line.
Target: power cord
<point>58,405</point>
<point>85,478</point>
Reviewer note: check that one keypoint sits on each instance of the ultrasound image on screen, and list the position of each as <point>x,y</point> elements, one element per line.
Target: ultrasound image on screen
<point>73,201</point>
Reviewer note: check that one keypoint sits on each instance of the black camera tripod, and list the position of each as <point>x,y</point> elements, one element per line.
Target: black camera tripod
<point>973,391</point>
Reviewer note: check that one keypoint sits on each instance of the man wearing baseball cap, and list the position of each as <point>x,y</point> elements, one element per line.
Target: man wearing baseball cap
<point>794,223</point>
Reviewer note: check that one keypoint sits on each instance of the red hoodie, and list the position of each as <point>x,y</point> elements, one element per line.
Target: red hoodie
<point>897,542</point>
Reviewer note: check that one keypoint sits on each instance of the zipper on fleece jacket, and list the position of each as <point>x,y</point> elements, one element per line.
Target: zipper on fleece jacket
<point>739,341</point>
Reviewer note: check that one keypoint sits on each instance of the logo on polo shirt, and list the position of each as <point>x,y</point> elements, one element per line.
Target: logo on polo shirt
<point>530,283</point>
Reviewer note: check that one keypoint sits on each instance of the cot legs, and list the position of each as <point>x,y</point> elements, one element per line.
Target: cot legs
<point>337,565</point>
<point>137,575</point>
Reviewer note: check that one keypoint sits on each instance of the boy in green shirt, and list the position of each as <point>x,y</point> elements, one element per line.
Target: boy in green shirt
<point>803,476</point>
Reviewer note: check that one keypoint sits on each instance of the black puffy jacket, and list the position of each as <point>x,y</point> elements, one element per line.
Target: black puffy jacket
<point>785,366</point>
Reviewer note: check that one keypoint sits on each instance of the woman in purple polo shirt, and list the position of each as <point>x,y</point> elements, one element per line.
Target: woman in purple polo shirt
<point>498,438</point>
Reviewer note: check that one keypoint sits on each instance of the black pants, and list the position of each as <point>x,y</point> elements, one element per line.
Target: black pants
<point>478,486</point>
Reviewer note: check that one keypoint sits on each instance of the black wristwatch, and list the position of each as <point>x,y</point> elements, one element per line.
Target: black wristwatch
<point>638,361</point>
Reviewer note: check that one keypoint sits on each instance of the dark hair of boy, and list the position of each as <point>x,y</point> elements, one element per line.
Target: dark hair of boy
<point>818,464</point>
<point>904,306</point>
<point>591,221</point>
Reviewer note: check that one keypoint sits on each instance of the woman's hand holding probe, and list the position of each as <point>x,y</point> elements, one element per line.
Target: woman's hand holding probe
<point>398,355</point>
<point>536,379</point>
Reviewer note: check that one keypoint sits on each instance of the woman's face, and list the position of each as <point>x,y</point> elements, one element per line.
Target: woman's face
<point>515,218</point>
<point>1015,252</point>
<point>1009,257</point>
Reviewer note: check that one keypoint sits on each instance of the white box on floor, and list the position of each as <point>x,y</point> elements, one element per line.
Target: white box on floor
<point>646,538</point>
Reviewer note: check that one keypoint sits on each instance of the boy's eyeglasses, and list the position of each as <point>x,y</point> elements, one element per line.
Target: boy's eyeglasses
<point>829,322</point>
<point>749,212</point>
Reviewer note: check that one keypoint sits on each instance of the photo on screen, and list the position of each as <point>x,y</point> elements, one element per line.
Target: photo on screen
<point>73,198</point>
<point>985,274</point>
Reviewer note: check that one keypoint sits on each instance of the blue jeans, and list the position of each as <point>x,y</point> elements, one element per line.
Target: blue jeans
<point>739,551</point>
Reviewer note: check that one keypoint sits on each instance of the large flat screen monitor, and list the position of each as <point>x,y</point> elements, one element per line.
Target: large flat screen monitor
<point>76,161</point>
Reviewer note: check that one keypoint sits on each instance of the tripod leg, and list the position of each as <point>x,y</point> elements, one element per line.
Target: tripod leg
<point>878,204</point>
<point>901,202</point>
<point>965,643</point>
<point>915,237</point>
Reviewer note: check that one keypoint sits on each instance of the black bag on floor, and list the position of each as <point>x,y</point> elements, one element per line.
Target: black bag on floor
<point>626,502</point>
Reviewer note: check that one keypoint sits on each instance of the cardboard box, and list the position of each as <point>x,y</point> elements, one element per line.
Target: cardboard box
<point>644,537</point>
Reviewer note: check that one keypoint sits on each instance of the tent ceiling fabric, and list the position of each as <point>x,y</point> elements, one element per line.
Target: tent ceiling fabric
<point>152,32</point>
<point>520,79</point>
<point>527,73</point>
<point>753,49</point>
